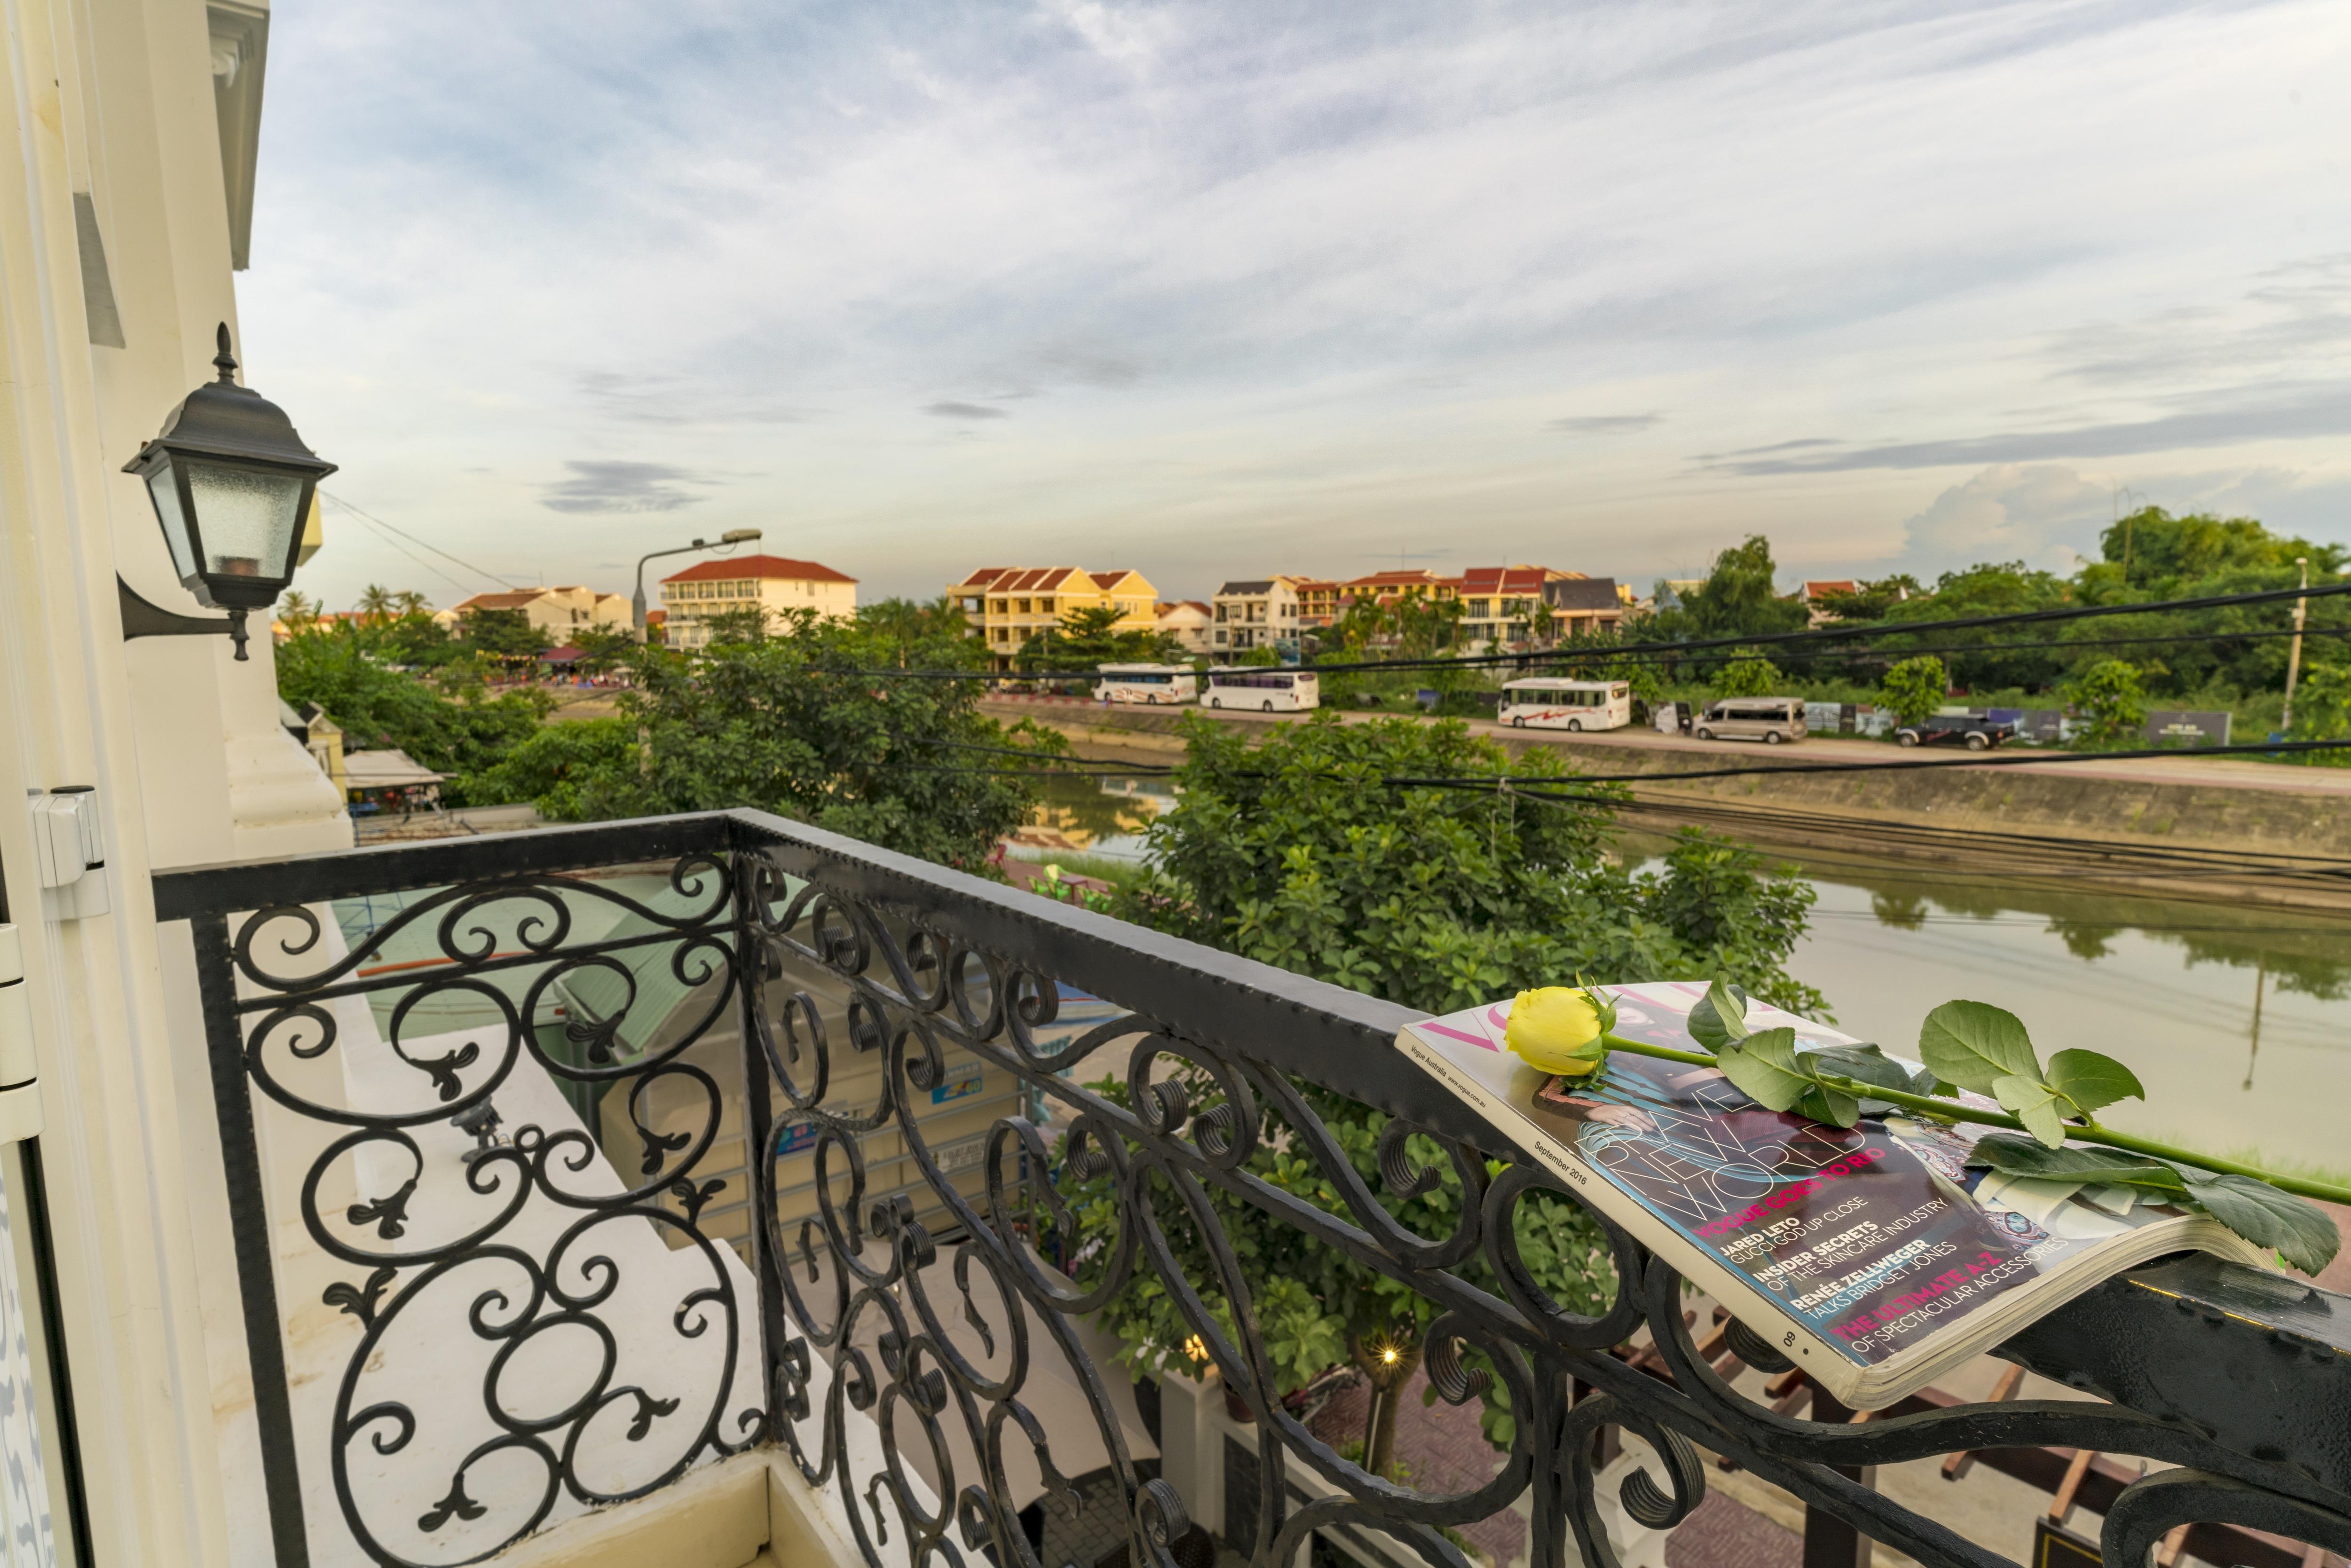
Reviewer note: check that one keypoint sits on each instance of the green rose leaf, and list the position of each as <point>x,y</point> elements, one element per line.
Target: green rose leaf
<point>2015,1156</point>
<point>1867,1065</point>
<point>2035,1105</point>
<point>1763,1067</point>
<point>2090,1080</point>
<point>1972,1044</point>
<point>1863,1063</point>
<point>1833,1106</point>
<point>2300,1232</point>
<point>1720,1017</point>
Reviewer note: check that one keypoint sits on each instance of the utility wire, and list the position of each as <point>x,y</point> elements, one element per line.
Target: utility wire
<point>2004,759</point>
<point>403,533</point>
<point>1864,654</point>
<point>412,555</point>
<point>1549,786</point>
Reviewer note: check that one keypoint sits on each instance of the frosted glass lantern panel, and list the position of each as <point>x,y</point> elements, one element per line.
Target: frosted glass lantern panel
<point>247,519</point>
<point>166,491</point>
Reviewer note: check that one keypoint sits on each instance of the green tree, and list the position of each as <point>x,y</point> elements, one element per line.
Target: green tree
<point>1869,601</point>
<point>1999,588</point>
<point>299,612</point>
<point>1915,688</point>
<point>445,720</point>
<point>1749,676</point>
<point>2322,711</point>
<point>1089,636</point>
<point>504,635</point>
<point>2152,554</point>
<point>794,723</point>
<point>558,767</point>
<point>2111,700</point>
<point>603,648</point>
<point>416,640</point>
<point>907,621</point>
<point>1300,854</point>
<point>1303,853</point>
<point>1738,598</point>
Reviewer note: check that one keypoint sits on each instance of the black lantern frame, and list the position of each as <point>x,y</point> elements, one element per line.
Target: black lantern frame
<point>224,426</point>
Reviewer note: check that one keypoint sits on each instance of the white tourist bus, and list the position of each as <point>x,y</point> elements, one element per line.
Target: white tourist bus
<point>1263,690</point>
<point>1555,704</point>
<point>1144,684</point>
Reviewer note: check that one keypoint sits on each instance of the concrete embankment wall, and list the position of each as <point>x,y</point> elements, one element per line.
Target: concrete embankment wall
<point>2012,800</point>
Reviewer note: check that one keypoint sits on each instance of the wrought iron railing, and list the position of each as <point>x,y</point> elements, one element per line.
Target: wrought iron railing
<point>561,1162</point>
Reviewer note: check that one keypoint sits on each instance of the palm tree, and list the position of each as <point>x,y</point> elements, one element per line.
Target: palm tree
<point>298,612</point>
<point>408,602</point>
<point>377,601</point>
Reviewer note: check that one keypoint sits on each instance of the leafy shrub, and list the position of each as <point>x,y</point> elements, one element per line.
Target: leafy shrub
<point>2110,700</point>
<point>1915,688</point>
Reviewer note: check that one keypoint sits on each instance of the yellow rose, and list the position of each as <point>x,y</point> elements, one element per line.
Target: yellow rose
<point>1559,1029</point>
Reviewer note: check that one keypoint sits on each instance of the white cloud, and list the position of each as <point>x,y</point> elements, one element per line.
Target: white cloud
<point>2040,514</point>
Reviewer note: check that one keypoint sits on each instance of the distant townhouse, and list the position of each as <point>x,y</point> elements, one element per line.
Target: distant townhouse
<point>1586,606</point>
<point>1497,602</point>
<point>1187,621</point>
<point>1395,587</point>
<point>1255,613</point>
<point>1010,604</point>
<point>560,612</point>
<point>1810,592</point>
<point>1321,600</point>
<point>772,584</point>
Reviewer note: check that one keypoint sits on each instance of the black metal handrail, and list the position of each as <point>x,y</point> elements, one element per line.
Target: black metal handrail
<point>2242,1378</point>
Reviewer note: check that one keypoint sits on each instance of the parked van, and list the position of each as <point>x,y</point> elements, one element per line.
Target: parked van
<point>1768,719</point>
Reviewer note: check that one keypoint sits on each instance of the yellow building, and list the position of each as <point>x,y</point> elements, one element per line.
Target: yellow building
<point>1010,604</point>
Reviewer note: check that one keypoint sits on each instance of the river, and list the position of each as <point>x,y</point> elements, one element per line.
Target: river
<point>2237,1019</point>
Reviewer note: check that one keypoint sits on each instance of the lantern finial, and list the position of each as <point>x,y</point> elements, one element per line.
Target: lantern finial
<point>225,361</point>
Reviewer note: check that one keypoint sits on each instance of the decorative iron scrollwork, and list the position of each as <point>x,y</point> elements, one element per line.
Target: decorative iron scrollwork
<point>902,1304</point>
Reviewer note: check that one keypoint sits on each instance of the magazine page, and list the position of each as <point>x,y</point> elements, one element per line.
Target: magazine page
<point>1874,1236</point>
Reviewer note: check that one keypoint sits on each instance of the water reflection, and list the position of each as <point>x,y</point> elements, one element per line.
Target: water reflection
<point>1104,817</point>
<point>2235,1017</point>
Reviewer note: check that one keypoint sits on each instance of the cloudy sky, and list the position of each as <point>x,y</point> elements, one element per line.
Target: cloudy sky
<point>1225,289</point>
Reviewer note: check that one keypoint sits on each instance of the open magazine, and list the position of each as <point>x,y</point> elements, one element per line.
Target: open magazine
<point>1870,1255</point>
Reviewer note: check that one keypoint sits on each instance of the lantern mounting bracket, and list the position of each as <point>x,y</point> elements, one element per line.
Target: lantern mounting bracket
<point>141,619</point>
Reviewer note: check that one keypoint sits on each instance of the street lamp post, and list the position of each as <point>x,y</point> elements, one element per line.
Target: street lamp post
<point>2294,658</point>
<point>231,483</point>
<point>637,605</point>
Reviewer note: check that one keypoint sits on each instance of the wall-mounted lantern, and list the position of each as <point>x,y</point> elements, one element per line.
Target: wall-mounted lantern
<point>231,484</point>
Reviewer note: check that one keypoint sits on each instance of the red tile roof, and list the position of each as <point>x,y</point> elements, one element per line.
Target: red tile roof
<point>761,566</point>
<point>1841,585</point>
<point>1037,579</point>
<point>1418,577</point>
<point>513,601</point>
<point>1508,579</point>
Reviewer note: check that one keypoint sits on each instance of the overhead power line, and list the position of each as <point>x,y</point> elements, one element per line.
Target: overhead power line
<point>1550,786</point>
<point>436,549</point>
